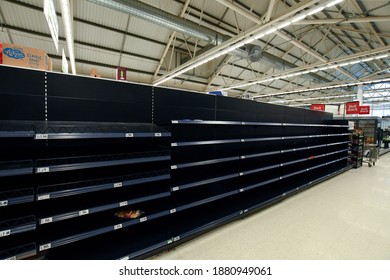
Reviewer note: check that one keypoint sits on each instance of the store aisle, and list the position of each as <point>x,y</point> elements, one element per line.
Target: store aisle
<point>346,217</point>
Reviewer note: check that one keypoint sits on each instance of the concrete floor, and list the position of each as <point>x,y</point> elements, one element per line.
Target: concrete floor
<point>346,217</point>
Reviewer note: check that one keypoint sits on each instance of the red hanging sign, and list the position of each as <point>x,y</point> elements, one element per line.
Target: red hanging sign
<point>121,73</point>
<point>352,108</point>
<point>364,110</point>
<point>318,107</point>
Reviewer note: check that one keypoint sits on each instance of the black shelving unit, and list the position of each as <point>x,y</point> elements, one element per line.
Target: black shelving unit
<point>357,149</point>
<point>188,162</point>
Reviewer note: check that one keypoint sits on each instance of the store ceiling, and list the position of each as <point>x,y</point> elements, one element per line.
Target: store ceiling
<point>105,38</point>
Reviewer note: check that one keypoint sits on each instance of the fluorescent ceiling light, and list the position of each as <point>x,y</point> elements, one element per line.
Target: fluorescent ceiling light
<point>284,25</point>
<point>333,3</point>
<point>65,12</point>
<point>381,56</point>
<point>298,18</point>
<point>272,30</point>
<point>367,59</point>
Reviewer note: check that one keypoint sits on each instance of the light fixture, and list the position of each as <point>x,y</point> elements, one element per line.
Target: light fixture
<point>65,12</point>
<point>259,35</point>
<point>333,3</point>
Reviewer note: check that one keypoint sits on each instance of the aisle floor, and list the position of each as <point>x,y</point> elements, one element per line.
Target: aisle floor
<point>346,217</point>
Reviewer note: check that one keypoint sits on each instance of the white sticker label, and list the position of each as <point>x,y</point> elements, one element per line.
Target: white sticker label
<point>174,144</point>
<point>175,121</point>
<point>46,220</point>
<point>281,164</point>
<point>242,140</point>
<point>280,178</point>
<point>118,226</point>
<point>241,190</point>
<point>5,233</point>
<point>246,210</point>
<point>174,167</point>
<point>45,247</point>
<point>83,212</point>
<point>241,173</point>
<point>123,203</point>
<point>128,135</point>
<point>177,238</point>
<point>118,185</point>
<point>41,136</point>
<point>11,258</point>
<point>157,135</point>
<point>172,211</point>
<point>43,169</point>
<point>144,219</point>
<point>282,151</point>
<point>243,123</point>
<point>44,196</point>
<point>175,189</point>
<point>125,258</point>
<point>3,203</point>
<point>242,157</point>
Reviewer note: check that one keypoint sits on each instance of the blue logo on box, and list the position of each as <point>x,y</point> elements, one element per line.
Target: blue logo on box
<point>14,53</point>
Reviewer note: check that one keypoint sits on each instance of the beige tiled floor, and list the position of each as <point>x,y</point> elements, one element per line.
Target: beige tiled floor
<point>346,217</point>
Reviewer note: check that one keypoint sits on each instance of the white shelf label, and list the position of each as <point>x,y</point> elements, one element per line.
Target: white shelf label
<point>44,196</point>
<point>118,226</point>
<point>282,151</point>
<point>157,135</point>
<point>118,185</point>
<point>46,220</point>
<point>144,219</point>
<point>284,194</point>
<point>241,190</point>
<point>43,169</point>
<point>123,203</point>
<point>174,167</point>
<point>175,189</point>
<point>174,144</point>
<point>281,164</point>
<point>3,203</point>
<point>242,140</point>
<point>242,157</point>
<point>172,211</point>
<point>83,212</point>
<point>41,136</point>
<point>246,210</point>
<point>280,178</point>
<point>241,173</point>
<point>177,238</point>
<point>45,247</point>
<point>11,258</point>
<point>175,121</point>
<point>128,135</point>
<point>5,233</point>
<point>125,258</point>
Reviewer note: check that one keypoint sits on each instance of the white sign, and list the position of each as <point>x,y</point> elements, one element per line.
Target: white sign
<point>65,66</point>
<point>51,18</point>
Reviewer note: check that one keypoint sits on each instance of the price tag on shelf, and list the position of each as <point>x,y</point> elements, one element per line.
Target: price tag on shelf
<point>177,238</point>
<point>242,140</point>
<point>118,226</point>
<point>46,220</point>
<point>45,247</point>
<point>41,136</point>
<point>123,203</point>
<point>83,212</point>
<point>175,189</point>
<point>241,190</point>
<point>128,135</point>
<point>172,211</point>
<point>125,258</point>
<point>5,233</point>
<point>144,219</point>
<point>43,197</point>
<point>43,169</point>
<point>118,185</point>
<point>241,174</point>
<point>246,210</point>
<point>3,203</point>
<point>242,157</point>
<point>174,167</point>
<point>174,144</point>
<point>157,135</point>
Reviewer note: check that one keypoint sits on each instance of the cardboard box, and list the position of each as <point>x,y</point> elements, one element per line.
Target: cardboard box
<point>50,68</point>
<point>1,53</point>
<point>22,56</point>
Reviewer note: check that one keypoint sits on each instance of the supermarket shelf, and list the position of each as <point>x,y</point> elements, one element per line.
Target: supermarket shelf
<point>19,253</point>
<point>15,129</point>
<point>201,122</point>
<point>248,156</point>
<point>92,233</point>
<point>85,162</point>
<point>97,209</point>
<point>252,171</point>
<point>17,225</point>
<point>243,140</point>
<point>56,136</point>
<point>76,188</point>
<point>14,168</point>
<point>14,197</point>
